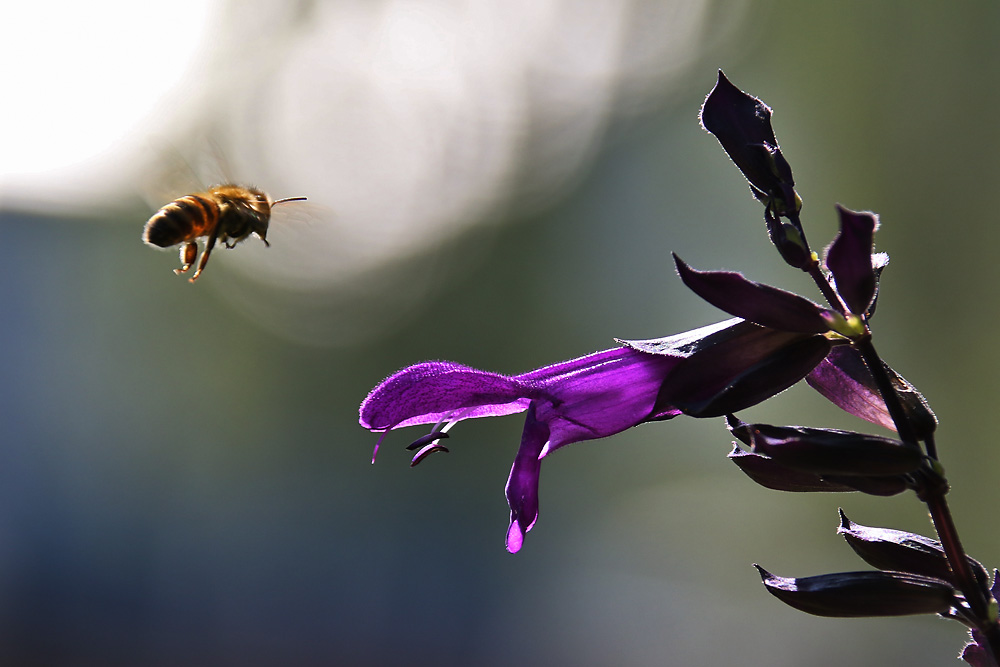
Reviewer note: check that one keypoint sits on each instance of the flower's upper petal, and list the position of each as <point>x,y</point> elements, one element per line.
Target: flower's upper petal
<point>555,374</point>
<point>599,394</point>
<point>522,485</point>
<point>432,391</point>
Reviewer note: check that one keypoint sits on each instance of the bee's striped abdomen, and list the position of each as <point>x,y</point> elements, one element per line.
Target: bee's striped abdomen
<point>181,220</point>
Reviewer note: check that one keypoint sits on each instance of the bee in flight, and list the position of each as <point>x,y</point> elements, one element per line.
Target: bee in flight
<point>228,212</point>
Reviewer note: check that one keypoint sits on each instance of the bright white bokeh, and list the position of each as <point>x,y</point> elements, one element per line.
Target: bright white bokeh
<point>82,81</point>
<point>406,123</point>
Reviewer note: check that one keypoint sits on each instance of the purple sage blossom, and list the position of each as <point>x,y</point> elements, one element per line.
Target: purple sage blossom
<point>705,372</point>
<point>585,398</point>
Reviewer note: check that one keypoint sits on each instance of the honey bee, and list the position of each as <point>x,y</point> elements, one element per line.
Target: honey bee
<point>227,212</point>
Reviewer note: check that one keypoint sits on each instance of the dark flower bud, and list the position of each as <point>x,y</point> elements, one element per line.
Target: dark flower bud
<point>769,473</point>
<point>889,549</point>
<point>742,124</point>
<point>737,374</point>
<point>861,594</point>
<point>888,485</point>
<point>762,304</point>
<point>849,259</point>
<point>772,475</point>
<point>832,451</point>
<point>844,379</point>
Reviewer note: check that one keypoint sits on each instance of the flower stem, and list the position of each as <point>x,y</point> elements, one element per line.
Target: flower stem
<point>933,496</point>
<point>931,489</point>
<point>889,395</point>
<point>826,288</point>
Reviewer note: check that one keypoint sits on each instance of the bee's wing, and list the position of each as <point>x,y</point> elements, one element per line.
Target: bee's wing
<point>182,166</point>
<point>296,222</point>
<point>295,233</point>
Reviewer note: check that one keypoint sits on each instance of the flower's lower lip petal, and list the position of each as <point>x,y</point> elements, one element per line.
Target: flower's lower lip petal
<point>522,485</point>
<point>515,538</point>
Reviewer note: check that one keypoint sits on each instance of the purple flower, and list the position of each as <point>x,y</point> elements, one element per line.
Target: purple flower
<point>705,372</point>
<point>581,399</point>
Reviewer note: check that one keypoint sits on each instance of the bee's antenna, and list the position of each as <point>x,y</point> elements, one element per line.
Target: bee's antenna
<point>281,201</point>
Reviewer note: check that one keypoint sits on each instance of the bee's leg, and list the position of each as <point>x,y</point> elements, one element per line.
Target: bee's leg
<point>204,258</point>
<point>188,252</point>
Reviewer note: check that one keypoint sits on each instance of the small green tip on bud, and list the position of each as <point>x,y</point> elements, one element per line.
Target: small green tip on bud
<point>993,611</point>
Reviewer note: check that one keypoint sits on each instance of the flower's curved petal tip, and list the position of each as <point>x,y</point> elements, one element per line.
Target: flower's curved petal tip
<point>515,537</point>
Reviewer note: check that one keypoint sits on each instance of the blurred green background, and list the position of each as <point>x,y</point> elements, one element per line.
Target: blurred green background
<point>183,477</point>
